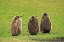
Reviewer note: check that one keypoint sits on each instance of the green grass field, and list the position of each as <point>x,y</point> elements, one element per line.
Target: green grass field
<point>26,9</point>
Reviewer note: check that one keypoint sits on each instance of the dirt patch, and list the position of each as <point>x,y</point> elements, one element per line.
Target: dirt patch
<point>58,39</point>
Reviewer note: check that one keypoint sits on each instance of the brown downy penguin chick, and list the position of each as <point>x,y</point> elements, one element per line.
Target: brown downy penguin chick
<point>16,26</point>
<point>45,25</point>
<point>33,26</point>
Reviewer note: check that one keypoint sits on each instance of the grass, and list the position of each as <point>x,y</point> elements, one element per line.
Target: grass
<point>27,8</point>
